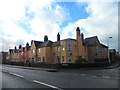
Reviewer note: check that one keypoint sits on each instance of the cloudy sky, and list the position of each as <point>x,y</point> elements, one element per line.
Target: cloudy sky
<point>24,20</point>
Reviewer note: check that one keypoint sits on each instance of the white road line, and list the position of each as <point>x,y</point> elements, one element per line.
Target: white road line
<point>93,75</point>
<point>83,74</point>
<point>117,78</point>
<point>4,70</point>
<point>16,74</point>
<point>10,73</point>
<point>47,85</point>
<point>105,77</point>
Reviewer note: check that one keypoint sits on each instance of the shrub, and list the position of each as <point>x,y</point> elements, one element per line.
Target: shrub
<point>80,60</point>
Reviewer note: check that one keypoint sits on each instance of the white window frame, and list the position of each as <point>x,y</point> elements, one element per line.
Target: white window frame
<point>38,59</point>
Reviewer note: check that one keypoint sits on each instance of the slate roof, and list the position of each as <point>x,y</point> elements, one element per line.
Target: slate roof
<point>103,45</point>
<point>29,47</point>
<point>112,50</point>
<point>39,44</point>
<point>68,39</point>
<point>91,40</point>
<point>57,43</point>
<point>48,43</point>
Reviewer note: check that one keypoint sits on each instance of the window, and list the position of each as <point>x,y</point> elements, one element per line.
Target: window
<point>39,50</point>
<point>63,48</point>
<point>58,48</point>
<point>32,60</point>
<point>97,49</point>
<point>69,58</point>
<point>69,47</point>
<point>58,59</point>
<point>33,51</point>
<point>39,59</point>
<point>21,53</point>
<point>62,58</point>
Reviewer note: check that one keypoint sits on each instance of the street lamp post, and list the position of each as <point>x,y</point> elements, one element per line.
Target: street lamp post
<point>108,51</point>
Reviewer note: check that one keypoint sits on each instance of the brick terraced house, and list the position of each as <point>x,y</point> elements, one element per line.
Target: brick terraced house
<point>97,51</point>
<point>61,51</point>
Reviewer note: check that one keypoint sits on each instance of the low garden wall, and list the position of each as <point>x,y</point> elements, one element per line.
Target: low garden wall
<point>60,66</point>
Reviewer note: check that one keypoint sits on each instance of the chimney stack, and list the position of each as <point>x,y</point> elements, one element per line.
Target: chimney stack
<point>45,38</point>
<point>78,33</point>
<point>31,42</point>
<point>58,37</point>
<point>20,46</point>
<point>15,48</point>
<point>82,36</point>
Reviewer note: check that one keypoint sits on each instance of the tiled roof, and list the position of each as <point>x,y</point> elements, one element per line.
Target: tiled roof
<point>83,42</point>
<point>91,40</point>
<point>57,43</point>
<point>39,44</point>
<point>46,44</point>
<point>29,47</point>
<point>103,45</point>
<point>112,50</point>
<point>68,39</point>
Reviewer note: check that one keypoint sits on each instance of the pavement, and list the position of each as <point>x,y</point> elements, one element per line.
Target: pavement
<point>33,68</point>
<point>56,70</point>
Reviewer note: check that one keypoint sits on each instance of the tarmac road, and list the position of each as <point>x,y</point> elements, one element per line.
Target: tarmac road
<point>16,77</point>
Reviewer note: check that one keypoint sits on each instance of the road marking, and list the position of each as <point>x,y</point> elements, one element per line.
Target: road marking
<point>83,74</point>
<point>16,74</point>
<point>4,70</point>
<point>105,77</point>
<point>93,75</point>
<point>47,85</point>
<point>117,78</point>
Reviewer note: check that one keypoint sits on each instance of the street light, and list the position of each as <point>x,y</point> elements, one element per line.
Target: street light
<point>108,50</point>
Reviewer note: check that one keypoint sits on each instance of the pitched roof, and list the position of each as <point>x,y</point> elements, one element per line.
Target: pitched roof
<point>57,43</point>
<point>39,44</point>
<point>112,50</point>
<point>28,47</point>
<point>91,40</point>
<point>103,45</point>
<point>68,39</point>
<point>46,44</point>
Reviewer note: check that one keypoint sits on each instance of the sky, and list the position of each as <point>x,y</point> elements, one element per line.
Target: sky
<point>24,20</point>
